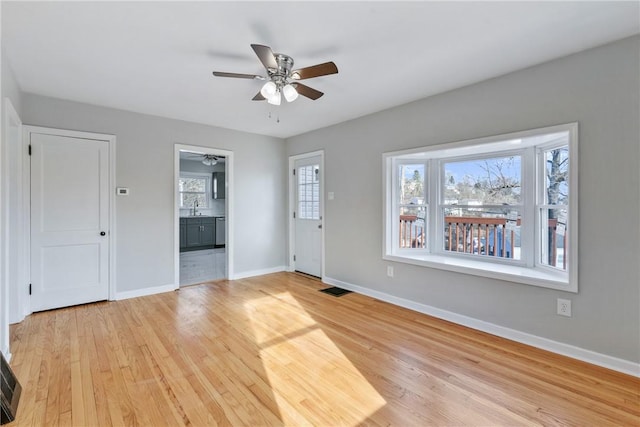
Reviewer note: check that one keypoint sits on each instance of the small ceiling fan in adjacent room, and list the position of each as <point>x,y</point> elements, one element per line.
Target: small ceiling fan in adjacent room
<point>281,79</point>
<point>210,159</point>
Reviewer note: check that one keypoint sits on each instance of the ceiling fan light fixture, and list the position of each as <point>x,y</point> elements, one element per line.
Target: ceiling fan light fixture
<point>209,160</point>
<point>290,93</point>
<point>275,99</point>
<point>281,78</point>
<point>269,89</point>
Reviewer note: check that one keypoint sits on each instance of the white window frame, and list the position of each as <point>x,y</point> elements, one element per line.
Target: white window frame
<point>207,191</point>
<point>529,269</point>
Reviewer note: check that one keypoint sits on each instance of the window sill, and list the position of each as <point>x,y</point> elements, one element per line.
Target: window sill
<point>529,276</point>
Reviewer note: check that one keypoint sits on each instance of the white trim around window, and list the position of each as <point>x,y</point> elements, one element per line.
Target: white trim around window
<point>523,238</point>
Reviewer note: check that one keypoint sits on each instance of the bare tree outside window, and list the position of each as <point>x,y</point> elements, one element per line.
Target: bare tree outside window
<point>193,192</point>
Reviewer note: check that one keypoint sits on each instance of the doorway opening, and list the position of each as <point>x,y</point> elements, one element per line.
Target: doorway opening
<point>202,212</point>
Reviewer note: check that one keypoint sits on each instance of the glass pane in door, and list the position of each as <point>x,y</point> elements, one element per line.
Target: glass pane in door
<point>309,192</point>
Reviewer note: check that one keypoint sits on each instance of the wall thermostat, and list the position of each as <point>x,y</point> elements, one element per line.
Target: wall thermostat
<point>122,191</point>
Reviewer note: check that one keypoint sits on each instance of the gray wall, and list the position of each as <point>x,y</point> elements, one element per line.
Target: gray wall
<point>198,166</point>
<point>145,164</point>
<point>10,88</point>
<point>599,89</point>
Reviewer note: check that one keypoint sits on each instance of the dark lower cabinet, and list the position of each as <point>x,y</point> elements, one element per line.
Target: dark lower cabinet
<point>197,234</point>
<point>194,228</point>
<point>207,235</point>
<point>183,233</point>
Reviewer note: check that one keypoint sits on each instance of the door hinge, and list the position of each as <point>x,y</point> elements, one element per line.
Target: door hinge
<point>294,257</point>
<point>29,288</point>
<point>294,215</point>
<point>294,171</point>
<point>29,149</point>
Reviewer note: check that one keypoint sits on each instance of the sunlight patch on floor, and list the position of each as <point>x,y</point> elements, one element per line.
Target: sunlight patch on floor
<point>291,341</point>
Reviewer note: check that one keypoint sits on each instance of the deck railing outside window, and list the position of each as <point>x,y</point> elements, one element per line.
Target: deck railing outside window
<point>479,236</point>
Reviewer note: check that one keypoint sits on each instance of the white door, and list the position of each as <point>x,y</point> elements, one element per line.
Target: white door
<point>308,219</point>
<point>69,221</point>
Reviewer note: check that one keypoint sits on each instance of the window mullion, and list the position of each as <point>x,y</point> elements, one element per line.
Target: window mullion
<point>434,196</point>
<point>393,207</point>
<point>528,214</point>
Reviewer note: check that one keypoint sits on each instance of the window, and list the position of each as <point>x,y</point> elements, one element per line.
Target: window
<point>502,207</point>
<point>482,206</point>
<point>193,190</point>
<point>309,192</point>
<point>412,205</point>
<point>553,206</point>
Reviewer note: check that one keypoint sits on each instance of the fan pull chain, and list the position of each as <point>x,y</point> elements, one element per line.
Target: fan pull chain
<point>277,117</point>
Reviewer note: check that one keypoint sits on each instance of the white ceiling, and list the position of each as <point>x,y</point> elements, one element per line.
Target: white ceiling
<point>157,57</point>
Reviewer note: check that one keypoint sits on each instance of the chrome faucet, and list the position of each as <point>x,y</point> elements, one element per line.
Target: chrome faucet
<point>195,207</point>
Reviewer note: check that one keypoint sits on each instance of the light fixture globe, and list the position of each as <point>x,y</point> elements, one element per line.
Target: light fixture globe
<point>275,99</point>
<point>290,93</point>
<point>269,89</point>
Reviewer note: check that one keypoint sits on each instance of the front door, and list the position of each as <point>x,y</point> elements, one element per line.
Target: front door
<point>69,220</point>
<point>308,219</point>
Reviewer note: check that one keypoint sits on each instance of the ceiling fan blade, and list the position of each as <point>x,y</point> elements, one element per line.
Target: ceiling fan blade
<point>237,75</point>
<point>258,97</point>
<point>265,55</point>
<point>307,91</point>
<point>314,71</point>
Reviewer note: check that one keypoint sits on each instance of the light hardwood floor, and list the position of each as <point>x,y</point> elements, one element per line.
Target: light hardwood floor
<point>272,350</point>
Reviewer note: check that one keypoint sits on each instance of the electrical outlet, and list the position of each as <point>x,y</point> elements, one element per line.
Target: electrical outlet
<point>390,270</point>
<point>564,307</point>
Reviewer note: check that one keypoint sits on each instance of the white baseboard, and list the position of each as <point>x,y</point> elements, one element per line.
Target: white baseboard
<point>145,291</point>
<point>7,355</point>
<point>261,272</point>
<point>568,350</point>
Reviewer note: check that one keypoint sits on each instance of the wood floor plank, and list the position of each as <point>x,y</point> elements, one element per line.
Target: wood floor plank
<point>272,350</point>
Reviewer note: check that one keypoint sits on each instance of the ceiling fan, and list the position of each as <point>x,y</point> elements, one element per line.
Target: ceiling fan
<point>210,159</point>
<point>281,79</point>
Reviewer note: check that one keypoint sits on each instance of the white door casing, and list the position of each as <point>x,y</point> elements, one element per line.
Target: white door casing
<point>10,212</point>
<point>70,212</point>
<point>308,211</point>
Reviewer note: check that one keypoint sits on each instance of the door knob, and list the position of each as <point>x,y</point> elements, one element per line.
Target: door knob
<point>320,226</point>
<point>102,233</point>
